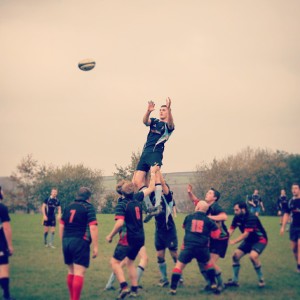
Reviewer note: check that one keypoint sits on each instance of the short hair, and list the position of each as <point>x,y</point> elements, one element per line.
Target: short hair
<point>83,193</point>
<point>119,186</point>
<point>216,193</point>
<point>128,189</point>
<point>296,183</point>
<point>164,105</point>
<point>241,205</point>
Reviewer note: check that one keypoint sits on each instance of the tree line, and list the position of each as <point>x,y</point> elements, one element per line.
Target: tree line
<point>235,176</point>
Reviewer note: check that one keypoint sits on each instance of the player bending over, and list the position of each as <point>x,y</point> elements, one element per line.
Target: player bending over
<point>217,247</point>
<point>254,241</point>
<point>198,228</point>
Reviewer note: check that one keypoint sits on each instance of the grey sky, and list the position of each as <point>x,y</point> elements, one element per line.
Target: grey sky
<point>232,69</point>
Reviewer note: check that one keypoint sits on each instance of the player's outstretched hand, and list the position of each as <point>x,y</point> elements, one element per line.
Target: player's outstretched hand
<point>95,252</point>
<point>168,102</point>
<point>151,106</point>
<point>281,231</point>
<point>10,251</point>
<point>109,239</point>
<point>189,188</point>
<point>231,242</point>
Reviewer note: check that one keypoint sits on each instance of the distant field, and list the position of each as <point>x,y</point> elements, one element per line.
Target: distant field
<point>39,273</point>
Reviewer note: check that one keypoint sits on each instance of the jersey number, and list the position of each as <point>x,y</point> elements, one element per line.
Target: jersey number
<point>137,213</point>
<point>72,212</point>
<point>197,226</point>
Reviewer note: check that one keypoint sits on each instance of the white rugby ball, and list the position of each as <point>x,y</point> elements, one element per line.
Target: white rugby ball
<point>86,64</point>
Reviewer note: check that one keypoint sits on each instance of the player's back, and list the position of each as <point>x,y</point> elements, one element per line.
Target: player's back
<point>76,219</point>
<point>198,228</point>
<point>134,221</point>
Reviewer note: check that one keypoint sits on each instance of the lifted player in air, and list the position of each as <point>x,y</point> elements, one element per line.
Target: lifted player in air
<point>159,133</point>
<point>294,210</point>
<point>123,241</point>
<point>129,211</point>
<point>48,209</point>
<point>218,247</point>
<point>254,240</point>
<point>198,229</point>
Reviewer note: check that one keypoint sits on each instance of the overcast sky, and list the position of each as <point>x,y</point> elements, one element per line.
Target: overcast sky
<point>232,69</point>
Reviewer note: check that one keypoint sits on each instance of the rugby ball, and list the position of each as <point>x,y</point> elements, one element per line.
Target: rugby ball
<point>86,64</point>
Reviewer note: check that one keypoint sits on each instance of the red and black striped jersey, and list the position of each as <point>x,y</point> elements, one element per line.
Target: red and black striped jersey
<point>250,223</point>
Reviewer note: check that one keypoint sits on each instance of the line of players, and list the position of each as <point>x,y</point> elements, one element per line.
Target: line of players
<point>206,236</point>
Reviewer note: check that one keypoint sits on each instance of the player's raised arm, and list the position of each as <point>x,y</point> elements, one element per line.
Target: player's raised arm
<point>146,118</point>
<point>170,116</point>
<point>191,194</point>
<point>164,186</point>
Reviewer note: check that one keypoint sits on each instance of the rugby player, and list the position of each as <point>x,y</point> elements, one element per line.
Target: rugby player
<point>159,133</point>
<point>6,248</point>
<point>78,229</point>
<point>293,209</point>
<point>255,203</point>
<point>123,241</point>
<point>48,209</point>
<point>218,246</point>
<point>254,241</point>
<point>129,211</point>
<point>198,229</point>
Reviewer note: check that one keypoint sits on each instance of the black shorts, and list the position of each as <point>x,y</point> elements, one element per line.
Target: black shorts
<point>50,223</point>
<point>218,247</point>
<point>166,239</point>
<point>148,159</point>
<point>4,257</point>
<point>188,253</point>
<point>294,234</point>
<point>131,252</point>
<point>247,247</point>
<point>76,251</point>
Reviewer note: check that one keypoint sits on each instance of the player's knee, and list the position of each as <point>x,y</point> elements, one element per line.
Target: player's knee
<point>235,258</point>
<point>160,260</point>
<point>253,257</point>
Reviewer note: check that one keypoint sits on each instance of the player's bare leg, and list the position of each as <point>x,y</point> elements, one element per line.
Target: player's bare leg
<point>133,277</point>
<point>237,255</point>
<point>254,257</point>
<point>162,266</point>
<point>213,260</point>
<point>4,280</point>
<point>142,264</point>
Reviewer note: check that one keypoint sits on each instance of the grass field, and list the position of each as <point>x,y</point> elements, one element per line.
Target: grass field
<point>39,273</point>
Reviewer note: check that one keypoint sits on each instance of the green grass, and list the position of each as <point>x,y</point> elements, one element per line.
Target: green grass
<point>39,273</point>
